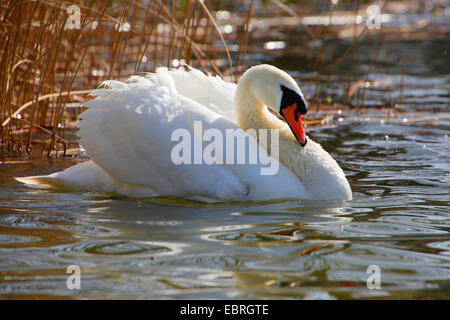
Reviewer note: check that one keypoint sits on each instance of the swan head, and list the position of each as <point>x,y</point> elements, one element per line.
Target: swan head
<point>278,91</point>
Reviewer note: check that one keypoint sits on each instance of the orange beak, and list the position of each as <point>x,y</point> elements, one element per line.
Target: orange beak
<point>294,120</point>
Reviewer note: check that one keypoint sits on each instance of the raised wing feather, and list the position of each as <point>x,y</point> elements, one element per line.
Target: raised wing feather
<point>211,92</point>
<point>127,131</point>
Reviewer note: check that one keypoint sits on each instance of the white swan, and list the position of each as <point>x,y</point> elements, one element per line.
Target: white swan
<point>127,133</point>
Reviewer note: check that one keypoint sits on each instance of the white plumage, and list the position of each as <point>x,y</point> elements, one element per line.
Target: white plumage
<point>127,134</point>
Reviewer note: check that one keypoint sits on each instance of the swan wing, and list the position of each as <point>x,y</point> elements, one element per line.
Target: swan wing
<point>127,131</point>
<point>209,91</point>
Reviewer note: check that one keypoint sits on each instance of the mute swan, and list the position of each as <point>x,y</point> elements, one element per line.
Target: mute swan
<point>128,134</point>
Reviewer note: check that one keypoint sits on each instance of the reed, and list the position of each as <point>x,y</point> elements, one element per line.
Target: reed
<point>54,52</point>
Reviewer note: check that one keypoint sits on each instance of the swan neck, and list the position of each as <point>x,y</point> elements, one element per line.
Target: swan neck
<point>251,113</point>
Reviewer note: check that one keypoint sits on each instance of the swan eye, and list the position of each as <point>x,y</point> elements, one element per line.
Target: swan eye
<point>291,97</point>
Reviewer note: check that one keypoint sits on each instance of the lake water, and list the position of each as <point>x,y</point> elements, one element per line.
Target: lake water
<point>399,219</point>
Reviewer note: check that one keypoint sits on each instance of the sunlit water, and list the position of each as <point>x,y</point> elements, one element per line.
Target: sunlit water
<point>399,221</point>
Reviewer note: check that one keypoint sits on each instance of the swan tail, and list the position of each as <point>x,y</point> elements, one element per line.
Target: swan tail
<point>86,176</point>
<point>40,181</point>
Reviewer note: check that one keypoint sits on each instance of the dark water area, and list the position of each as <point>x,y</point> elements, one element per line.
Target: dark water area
<point>399,219</point>
<point>414,73</point>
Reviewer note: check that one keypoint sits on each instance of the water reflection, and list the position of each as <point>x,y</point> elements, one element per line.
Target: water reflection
<point>172,248</point>
<point>142,249</point>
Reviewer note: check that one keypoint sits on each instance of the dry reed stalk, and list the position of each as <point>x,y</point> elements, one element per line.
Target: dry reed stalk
<point>402,62</point>
<point>292,13</point>
<point>45,65</point>
<point>369,71</point>
<point>318,61</point>
<point>350,71</point>
<point>240,66</point>
<point>336,63</point>
<point>211,19</point>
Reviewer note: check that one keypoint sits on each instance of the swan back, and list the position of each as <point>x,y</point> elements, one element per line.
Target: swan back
<point>211,92</point>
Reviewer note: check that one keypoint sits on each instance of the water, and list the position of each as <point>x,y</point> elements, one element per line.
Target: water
<point>399,219</point>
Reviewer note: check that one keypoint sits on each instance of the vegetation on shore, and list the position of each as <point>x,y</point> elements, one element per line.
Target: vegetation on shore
<point>54,53</point>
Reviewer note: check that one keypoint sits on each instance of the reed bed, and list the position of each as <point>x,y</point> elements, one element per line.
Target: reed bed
<point>53,53</point>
